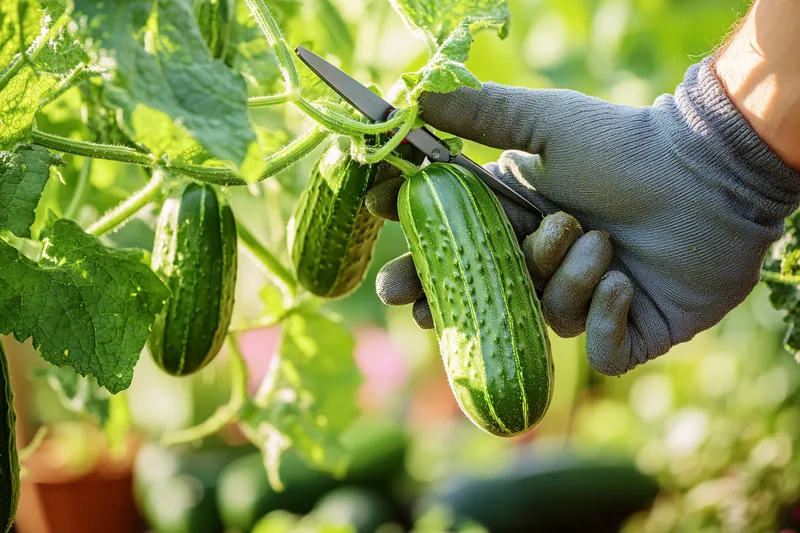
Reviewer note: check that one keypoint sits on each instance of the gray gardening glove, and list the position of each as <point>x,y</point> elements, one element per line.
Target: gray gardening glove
<point>686,194</point>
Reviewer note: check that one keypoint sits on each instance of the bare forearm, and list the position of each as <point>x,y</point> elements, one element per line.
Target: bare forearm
<point>760,70</point>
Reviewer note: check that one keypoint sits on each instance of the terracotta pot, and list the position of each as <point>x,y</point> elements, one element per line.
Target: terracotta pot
<point>55,500</point>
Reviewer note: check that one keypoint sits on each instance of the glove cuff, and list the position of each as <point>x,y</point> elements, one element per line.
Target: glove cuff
<point>708,110</point>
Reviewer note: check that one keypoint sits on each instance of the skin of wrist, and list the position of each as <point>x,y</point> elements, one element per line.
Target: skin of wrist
<point>760,71</point>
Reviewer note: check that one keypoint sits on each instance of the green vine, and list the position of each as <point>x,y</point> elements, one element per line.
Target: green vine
<point>225,414</point>
<point>120,214</point>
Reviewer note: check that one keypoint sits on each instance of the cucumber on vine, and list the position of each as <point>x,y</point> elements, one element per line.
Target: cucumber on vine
<point>332,234</point>
<point>486,314</point>
<point>195,253</point>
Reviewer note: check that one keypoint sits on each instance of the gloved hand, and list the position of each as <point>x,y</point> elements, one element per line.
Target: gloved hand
<point>684,192</point>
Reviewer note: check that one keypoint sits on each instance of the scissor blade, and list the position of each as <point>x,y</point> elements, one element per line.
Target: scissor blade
<point>352,91</point>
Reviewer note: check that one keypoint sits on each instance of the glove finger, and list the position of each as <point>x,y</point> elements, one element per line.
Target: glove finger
<point>381,198</point>
<point>501,116</point>
<point>421,312</point>
<point>608,337</point>
<point>569,292</point>
<point>546,248</point>
<point>398,283</point>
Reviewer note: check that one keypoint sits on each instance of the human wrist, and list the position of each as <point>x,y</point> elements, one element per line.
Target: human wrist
<point>760,71</point>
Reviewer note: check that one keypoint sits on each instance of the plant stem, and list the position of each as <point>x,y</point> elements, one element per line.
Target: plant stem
<point>225,414</point>
<point>408,169</point>
<point>34,444</point>
<point>397,138</point>
<point>273,265</point>
<point>123,154</point>
<point>36,47</point>
<point>80,189</point>
<point>272,32</point>
<point>345,125</point>
<point>129,207</point>
<point>777,277</point>
<point>292,152</point>
<point>217,175</point>
<point>63,85</point>
<point>265,101</point>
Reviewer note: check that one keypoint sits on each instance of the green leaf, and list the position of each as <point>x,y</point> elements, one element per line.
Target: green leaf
<point>77,394</point>
<point>445,72</point>
<point>86,306</point>
<point>785,259</point>
<point>437,19</point>
<point>27,80</point>
<point>23,175</point>
<point>309,396</point>
<point>172,92</point>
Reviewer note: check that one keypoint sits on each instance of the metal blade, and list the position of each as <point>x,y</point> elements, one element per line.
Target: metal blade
<point>353,92</point>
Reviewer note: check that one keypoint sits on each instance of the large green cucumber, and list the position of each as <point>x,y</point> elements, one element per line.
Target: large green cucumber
<point>195,255</point>
<point>9,461</point>
<point>488,320</point>
<point>332,234</point>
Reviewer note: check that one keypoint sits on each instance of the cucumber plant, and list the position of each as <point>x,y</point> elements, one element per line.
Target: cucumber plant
<point>153,129</point>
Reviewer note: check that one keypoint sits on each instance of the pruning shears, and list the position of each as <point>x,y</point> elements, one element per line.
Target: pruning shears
<point>377,109</point>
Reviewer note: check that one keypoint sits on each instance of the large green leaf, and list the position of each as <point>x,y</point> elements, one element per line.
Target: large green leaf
<point>436,19</point>
<point>310,394</point>
<point>26,80</point>
<point>445,72</point>
<point>448,26</point>
<point>23,175</point>
<point>85,306</point>
<point>172,92</point>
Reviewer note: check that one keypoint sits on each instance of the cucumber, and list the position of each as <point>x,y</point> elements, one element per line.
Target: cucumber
<point>561,492</point>
<point>195,255</point>
<point>216,18</point>
<point>487,318</point>
<point>332,234</point>
<point>9,462</point>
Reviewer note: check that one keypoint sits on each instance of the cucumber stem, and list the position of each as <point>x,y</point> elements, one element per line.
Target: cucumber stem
<point>292,152</point>
<point>266,22</point>
<point>225,414</point>
<point>129,207</point>
<point>122,154</point>
<point>776,277</point>
<point>269,100</point>
<point>80,189</point>
<point>345,125</point>
<point>411,114</point>
<point>408,169</point>
<point>271,263</point>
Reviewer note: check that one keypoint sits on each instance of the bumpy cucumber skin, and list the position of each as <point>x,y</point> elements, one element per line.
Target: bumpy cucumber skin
<point>332,234</point>
<point>9,461</point>
<point>488,320</point>
<point>195,254</point>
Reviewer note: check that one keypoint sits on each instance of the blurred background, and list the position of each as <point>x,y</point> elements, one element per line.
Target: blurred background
<point>702,440</point>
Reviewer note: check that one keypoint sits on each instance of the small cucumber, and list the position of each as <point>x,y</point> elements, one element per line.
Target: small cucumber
<point>332,234</point>
<point>487,318</point>
<point>9,461</point>
<point>195,253</point>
